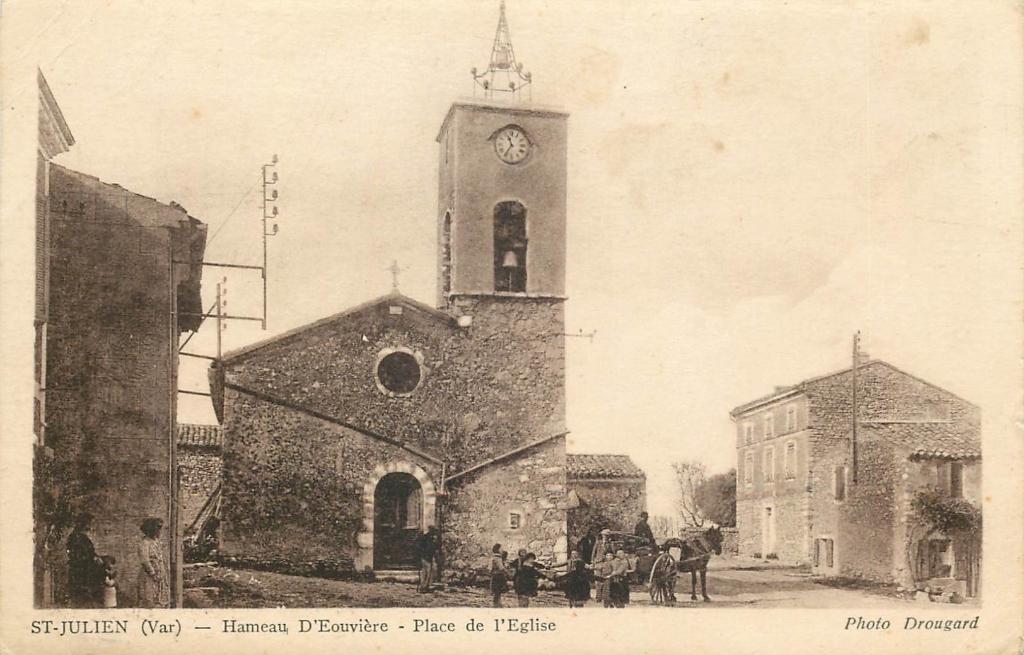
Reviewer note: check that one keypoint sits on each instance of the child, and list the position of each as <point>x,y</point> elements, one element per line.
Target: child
<point>526,577</point>
<point>499,574</point>
<point>602,572</point>
<point>577,586</point>
<point>618,585</point>
<point>109,581</point>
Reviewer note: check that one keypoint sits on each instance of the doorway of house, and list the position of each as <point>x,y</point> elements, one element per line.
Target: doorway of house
<point>397,519</point>
<point>768,531</point>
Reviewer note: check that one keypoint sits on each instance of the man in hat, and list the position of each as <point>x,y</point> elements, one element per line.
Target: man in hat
<point>642,529</point>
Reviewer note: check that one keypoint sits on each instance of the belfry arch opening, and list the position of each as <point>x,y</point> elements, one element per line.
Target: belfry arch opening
<point>510,246</point>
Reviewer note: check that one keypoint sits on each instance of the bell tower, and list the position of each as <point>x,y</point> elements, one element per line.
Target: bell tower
<point>501,189</point>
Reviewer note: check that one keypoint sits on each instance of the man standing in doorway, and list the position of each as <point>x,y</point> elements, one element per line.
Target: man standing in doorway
<point>427,546</point>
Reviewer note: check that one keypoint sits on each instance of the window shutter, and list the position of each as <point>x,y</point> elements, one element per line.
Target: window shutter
<point>956,479</point>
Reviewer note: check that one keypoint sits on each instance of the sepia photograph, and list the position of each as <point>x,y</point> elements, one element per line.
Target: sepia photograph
<point>516,304</point>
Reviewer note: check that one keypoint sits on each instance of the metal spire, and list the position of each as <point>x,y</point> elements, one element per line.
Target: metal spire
<point>503,74</point>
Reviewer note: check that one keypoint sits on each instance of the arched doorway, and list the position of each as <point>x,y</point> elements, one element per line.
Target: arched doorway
<point>397,518</point>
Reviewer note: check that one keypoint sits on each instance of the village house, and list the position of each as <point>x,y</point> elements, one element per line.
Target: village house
<point>811,491</point>
<point>117,281</point>
<point>610,491</point>
<point>199,474</point>
<point>346,437</point>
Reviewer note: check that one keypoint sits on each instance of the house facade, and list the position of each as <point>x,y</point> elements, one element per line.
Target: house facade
<point>811,491</point>
<point>117,282</point>
<point>199,473</point>
<point>608,491</point>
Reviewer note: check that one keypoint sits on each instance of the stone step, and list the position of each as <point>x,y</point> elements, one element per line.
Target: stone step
<point>397,575</point>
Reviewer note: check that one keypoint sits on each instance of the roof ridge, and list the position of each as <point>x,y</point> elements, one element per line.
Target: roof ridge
<point>287,334</point>
<point>805,383</point>
<point>171,204</point>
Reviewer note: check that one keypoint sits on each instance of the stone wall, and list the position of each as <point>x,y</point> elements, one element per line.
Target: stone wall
<point>486,389</point>
<point>730,541</point>
<point>295,487</point>
<point>200,473</point>
<point>531,485</point>
<point>864,525</point>
<point>111,377</point>
<point>614,504</point>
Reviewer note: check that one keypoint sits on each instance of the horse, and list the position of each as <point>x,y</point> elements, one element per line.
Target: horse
<point>695,551</point>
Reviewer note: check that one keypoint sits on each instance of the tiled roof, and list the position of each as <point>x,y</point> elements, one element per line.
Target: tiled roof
<point>931,440</point>
<point>601,466</point>
<point>194,434</point>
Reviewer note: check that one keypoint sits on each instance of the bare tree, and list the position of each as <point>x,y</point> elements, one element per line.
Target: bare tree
<point>690,476</point>
<point>664,527</point>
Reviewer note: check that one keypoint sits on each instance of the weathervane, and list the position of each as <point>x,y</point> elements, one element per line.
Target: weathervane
<point>503,74</point>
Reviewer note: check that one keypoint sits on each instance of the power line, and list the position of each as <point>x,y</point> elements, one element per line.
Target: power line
<point>232,212</point>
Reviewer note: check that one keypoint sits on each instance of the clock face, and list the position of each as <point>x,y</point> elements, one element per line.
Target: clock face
<point>511,145</point>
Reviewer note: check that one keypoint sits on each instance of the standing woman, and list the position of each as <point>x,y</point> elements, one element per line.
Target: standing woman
<point>84,566</point>
<point>152,571</point>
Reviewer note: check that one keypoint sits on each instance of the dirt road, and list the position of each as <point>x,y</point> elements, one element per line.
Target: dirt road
<point>738,586</point>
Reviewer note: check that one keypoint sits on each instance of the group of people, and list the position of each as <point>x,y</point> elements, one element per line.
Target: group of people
<point>608,573</point>
<point>524,573</point>
<point>92,578</point>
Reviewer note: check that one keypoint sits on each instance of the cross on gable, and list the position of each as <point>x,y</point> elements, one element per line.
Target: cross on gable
<point>395,269</point>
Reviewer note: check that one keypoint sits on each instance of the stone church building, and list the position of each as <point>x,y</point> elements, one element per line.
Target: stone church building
<point>344,438</point>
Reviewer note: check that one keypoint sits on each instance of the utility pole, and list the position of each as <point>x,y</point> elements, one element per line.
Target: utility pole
<point>853,440</point>
<point>221,326</point>
<point>269,203</point>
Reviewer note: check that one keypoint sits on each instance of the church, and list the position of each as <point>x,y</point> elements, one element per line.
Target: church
<point>344,438</point>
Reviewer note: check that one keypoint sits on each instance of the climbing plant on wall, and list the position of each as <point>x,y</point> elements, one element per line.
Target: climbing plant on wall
<point>936,512</point>
<point>945,513</point>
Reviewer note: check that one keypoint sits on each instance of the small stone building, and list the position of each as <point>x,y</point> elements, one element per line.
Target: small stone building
<point>610,491</point>
<point>809,490</point>
<point>199,470</point>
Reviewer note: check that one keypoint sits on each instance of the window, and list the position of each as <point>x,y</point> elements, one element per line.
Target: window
<point>769,425</point>
<point>790,418</point>
<point>824,553</point>
<point>789,460</point>
<point>509,247</point>
<point>748,433</point>
<point>839,483</point>
<point>748,468</point>
<point>515,520</point>
<point>768,469</point>
<point>398,372</point>
<point>956,480</point>
<point>446,254</point>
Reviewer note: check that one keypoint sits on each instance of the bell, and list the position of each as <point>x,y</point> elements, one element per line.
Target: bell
<point>510,260</point>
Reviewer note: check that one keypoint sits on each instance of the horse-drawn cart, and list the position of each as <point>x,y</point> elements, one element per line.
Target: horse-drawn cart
<point>650,564</point>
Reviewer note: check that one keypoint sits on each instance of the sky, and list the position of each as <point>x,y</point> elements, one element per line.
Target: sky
<point>749,183</point>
